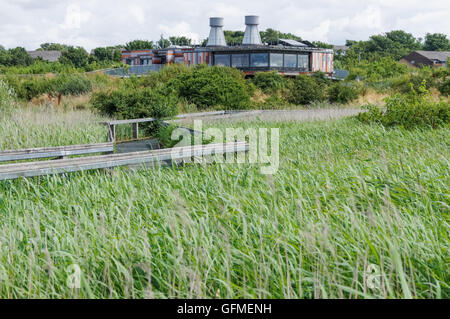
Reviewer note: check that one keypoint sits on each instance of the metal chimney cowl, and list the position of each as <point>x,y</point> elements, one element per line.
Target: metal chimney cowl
<point>216,36</point>
<point>251,35</point>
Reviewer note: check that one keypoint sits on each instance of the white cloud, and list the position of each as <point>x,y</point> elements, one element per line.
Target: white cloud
<point>180,29</point>
<point>92,23</point>
<point>138,13</point>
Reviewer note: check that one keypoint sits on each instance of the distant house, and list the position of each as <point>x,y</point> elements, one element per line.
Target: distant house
<point>423,58</point>
<point>50,56</point>
<point>340,49</point>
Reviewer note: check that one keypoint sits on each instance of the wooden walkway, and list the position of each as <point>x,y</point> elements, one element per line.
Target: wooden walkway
<point>59,151</point>
<point>30,169</point>
<point>135,122</point>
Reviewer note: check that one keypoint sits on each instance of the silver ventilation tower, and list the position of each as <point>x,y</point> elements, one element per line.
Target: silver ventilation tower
<point>216,37</point>
<point>251,35</point>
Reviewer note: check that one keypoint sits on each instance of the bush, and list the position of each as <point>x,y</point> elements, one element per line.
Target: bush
<point>269,82</point>
<point>137,103</point>
<point>321,78</point>
<point>378,70</point>
<point>409,111</point>
<point>212,86</point>
<point>407,83</point>
<point>31,87</point>
<point>305,89</point>
<point>73,84</point>
<point>444,88</point>
<point>342,93</point>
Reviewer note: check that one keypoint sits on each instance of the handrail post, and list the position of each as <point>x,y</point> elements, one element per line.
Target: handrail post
<point>111,132</point>
<point>135,130</point>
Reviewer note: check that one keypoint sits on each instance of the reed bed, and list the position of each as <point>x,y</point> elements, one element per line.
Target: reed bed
<point>351,205</point>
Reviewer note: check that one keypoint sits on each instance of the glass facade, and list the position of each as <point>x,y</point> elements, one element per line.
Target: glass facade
<point>239,60</point>
<point>290,61</point>
<point>222,59</point>
<point>259,59</point>
<point>303,62</point>
<point>276,60</point>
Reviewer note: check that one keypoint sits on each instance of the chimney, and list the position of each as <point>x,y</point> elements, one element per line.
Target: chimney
<point>216,37</point>
<point>251,35</point>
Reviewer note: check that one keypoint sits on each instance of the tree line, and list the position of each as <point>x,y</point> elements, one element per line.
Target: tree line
<point>394,44</point>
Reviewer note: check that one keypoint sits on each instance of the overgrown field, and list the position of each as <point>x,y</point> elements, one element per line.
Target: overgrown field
<point>350,201</point>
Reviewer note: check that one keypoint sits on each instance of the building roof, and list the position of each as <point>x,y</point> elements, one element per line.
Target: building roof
<point>340,47</point>
<point>51,56</point>
<point>291,42</point>
<point>435,55</point>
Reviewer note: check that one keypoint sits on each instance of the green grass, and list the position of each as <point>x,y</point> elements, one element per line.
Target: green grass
<point>346,196</point>
<point>40,127</point>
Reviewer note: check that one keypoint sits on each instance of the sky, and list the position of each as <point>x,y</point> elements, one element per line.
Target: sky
<point>94,23</point>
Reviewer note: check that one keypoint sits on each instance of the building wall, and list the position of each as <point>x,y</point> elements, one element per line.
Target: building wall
<point>322,61</point>
<point>415,59</point>
<point>319,61</point>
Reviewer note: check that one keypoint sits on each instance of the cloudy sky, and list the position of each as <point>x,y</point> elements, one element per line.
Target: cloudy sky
<point>93,23</point>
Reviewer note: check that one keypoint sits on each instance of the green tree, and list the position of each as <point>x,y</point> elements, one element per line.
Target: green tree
<point>349,43</point>
<point>322,45</point>
<point>183,41</point>
<point>5,56</point>
<point>139,45</point>
<point>404,39</point>
<point>163,43</point>
<point>107,54</point>
<point>436,42</point>
<point>233,37</point>
<point>19,56</point>
<point>272,36</point>
<point>76,56</point>
<point>396,44</point>
<point>53,46</point>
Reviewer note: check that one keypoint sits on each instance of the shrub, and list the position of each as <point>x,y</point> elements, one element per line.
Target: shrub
<point>72,84</point>
<point>423,77</point>
<point>273,102</point>
<point>138,103</point>
<point>321,78</point>
<point>444,88</point>
<point>305,89</point>
<point>164,135</point>
<point>409,111</point>
<point>212,86</point>
<point>342,93</point>
<point>33,87</point>
<point>378,70</point>
<point>268,82</point>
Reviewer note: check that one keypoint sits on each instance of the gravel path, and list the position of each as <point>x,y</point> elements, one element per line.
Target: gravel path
<point>279,115</point>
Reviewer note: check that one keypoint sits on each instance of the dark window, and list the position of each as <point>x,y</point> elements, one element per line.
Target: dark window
<point>290,60</point>
<point>259,59</point>
<point>239,60</point>
<point>276,60</point>
<point>303,62</point>
<point>222,59</point>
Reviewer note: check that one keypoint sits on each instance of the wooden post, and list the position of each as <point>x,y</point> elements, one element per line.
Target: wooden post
<point>135,130</point>
<point>112,133</point>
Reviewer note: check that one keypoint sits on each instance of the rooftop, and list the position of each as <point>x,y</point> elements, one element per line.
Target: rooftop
<point>435,55</point>
<point>51,56</point>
